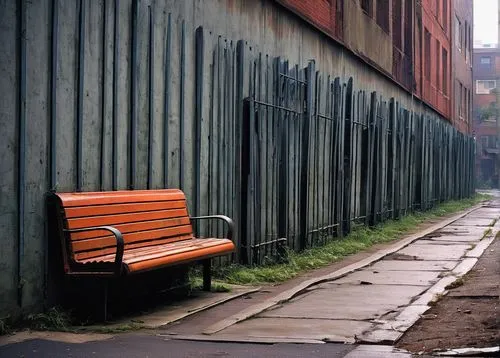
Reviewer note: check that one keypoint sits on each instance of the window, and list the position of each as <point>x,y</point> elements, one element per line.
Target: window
<point>485,86</point>
<point>491,141</point>
<point>466,104</point>
<point>438,63</point>
<point>458,33</point>
<point>469,51</point>
<point>444,59</point>
<point>484,141</point>
<point>427,54</point>
<point>397,28</point>
<point>485,60</point>
<point>367,6</point>
<point>383,14</point>
<point>460,101</point>
<point>445,15</point>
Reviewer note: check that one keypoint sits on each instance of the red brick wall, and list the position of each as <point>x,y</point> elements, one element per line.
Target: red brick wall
<point>432,88</point>
<point>320,13</point>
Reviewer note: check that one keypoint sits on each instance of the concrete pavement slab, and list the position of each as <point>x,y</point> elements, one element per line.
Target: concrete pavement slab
<point>454,238</point>
<point>176,311</point>
<point>470,221</point>
<point>376,277</point>
<point>404,319</point>
<point>423,251</point>
<point>437,289</point>
<point>463,230</point>
<point>398,265</point>
<point>358,302</point>
<point>314,329</point>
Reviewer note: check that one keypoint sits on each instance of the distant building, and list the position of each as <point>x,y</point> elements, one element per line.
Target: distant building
<point>462,17</point>
<point>423,45</point>
<point>486,72</point>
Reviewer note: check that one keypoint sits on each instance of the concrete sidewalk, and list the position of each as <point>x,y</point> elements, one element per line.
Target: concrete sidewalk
<point>376,303</point>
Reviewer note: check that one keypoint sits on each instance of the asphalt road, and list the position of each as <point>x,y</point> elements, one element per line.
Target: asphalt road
<point>148,346</point>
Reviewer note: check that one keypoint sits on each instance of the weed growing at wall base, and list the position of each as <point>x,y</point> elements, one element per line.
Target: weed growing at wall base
<point>360,238</point>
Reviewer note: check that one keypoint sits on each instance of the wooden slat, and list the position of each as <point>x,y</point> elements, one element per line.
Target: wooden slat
<point>133,227</point>
<point>187,255</point>
<point>176,251</point>
<point>110,209</point>
<point>119,197</point>
<point>102,242</point>
<point>80,223</point>
<point>142,244</point>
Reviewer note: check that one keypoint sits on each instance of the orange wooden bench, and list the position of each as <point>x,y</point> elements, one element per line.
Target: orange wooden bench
<point>119,233</point>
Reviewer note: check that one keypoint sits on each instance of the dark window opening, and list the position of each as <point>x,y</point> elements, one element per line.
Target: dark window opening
<point>438,63</point>
<point>383,14</point>
<point>444,59</point>
<point>397,17</point>
<point>367,6</point>
<point>427,54</point>
<point>445,15</point>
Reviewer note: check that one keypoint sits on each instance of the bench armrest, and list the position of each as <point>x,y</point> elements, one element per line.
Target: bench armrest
<point>229,222</point>
<point>119,243</point>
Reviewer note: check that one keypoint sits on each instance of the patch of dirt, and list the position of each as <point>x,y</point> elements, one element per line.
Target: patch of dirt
<point>469,316</point>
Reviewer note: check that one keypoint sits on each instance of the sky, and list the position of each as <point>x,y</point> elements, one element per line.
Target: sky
<point>485,21</point>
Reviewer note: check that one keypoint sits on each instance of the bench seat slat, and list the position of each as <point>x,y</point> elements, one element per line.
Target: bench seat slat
<point>143,259</point>
<point>119,197</point>
<point>112,209</point>
<point>102,242</point>
<point>111,250</point>
<point>133,227</point>
<point>126,218</point>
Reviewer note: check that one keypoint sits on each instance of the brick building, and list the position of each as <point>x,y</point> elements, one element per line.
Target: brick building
<point>423,45</point>
<point>462,64</point>
<point>486,71</point>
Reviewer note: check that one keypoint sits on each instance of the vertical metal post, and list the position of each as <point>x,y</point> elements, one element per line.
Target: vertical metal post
<point>103,89</point>
<point>240,174</point>
<point>181,105</point>
<point>199,43</point>
<point>81,79</point>
<point>151,96</point>
<point>347,145</point>
<point>168,40</point>
<point>22,149</point>
<point>304,166</point>
<point>53,94</point>
<point>134,96</point>
<point>116,34</point>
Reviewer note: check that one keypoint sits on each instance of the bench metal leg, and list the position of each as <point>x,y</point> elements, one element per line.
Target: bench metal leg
<point>105,300</point>
<point>207,275</point>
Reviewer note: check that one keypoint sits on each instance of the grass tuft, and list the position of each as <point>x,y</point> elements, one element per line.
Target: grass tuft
<point>457,283</point>
<point>196,284</point>
<point>360,238</point>
<point>5,326</point>
<point>52,320</point>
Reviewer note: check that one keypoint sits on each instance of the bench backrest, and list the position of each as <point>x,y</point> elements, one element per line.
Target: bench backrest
<point>144,217</point>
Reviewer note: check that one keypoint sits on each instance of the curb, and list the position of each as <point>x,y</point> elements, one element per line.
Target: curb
<point>291,293</point>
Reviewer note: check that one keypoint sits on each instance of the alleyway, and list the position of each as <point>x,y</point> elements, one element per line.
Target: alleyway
<point>375,303</point>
